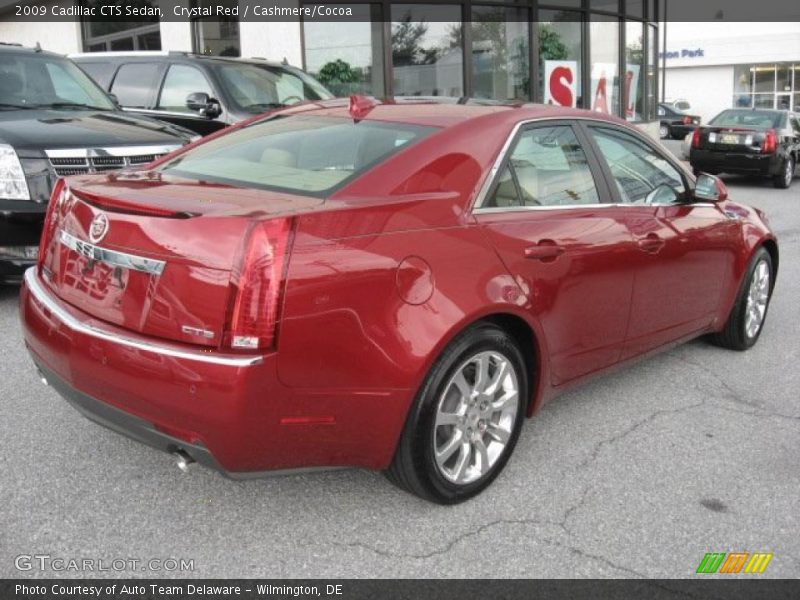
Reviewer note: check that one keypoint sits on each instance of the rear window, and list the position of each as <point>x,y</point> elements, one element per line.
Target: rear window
<point>748,118</point>
<point>308,154</point>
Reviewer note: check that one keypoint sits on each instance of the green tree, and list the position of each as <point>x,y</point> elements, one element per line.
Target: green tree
<point>550,45</point>
<point>406,44</point>
<point>336,72</point>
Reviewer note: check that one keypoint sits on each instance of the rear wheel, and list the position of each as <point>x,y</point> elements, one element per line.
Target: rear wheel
<point>784,179</point>
<point>466,419</point>
<point>750,309</point>
<point>663,131</point>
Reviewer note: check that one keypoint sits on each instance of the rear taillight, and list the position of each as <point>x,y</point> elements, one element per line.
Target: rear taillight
<point>258,284</point>
<point>696,138</point>
<point>52,218</point>
<point>770,142</point>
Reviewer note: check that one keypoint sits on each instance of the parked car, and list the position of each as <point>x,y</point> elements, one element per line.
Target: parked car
<point>384,285</point>
<point>674,123</point>
<point>680,104</point>
<point>54,121</point>
<point>750,142</point>
<point>203,93</point>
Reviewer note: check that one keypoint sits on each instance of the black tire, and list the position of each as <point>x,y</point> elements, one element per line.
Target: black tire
<point>734,334</point>
<point>414,468</point>
<point>784,179</point>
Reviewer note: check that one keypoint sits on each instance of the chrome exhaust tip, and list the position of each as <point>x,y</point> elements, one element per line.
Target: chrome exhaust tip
<point>182,460</point>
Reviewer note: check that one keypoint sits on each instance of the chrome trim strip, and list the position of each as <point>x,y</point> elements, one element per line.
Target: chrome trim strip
<point>150,266</point>
<point>41,296</point>
<point>512,209</point>
<point>477,206</point>
<point>120,151</point>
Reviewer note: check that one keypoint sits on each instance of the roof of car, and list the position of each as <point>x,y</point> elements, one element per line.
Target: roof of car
<point>20,49</point>
<point>171,55</point>
<point>444,112</point>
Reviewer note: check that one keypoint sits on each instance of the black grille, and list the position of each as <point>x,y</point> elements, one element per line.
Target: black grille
<point>79,165</point>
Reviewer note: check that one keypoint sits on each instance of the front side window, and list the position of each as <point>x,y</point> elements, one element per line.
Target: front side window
<point>45,82</point>
<point>300,153</point>
<point>135,83</point>
<point>642,175</point>
<point>258,88</point>
<point>181,81</point>
<point>547,167</point>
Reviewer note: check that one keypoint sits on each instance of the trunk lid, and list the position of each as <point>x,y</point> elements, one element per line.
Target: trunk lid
<point>156,257</point>
<point>733,139</point>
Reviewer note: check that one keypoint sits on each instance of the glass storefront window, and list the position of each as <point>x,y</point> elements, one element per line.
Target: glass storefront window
<point>763,100</point>
<point>560,50</point>
<point>347,57</point>
<point>427,54</point>
<point>765,79</point>
<point>652,72</point>
<point>217,36</point>
<point>784,79</point>
<point>633,79</point>
<point>104,35</point>
<point>500,53</point>
<point>604,53</point>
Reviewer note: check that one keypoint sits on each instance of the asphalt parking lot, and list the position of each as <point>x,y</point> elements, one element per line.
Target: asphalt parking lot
<point>637,474</point>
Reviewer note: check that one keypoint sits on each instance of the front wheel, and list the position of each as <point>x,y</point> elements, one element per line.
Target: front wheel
<point>750,309</point>
<point>465,420</point>
<point>663,131</point>
<point>784,179</point>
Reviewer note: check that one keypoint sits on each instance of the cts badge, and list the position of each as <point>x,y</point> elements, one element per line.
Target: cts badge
<point>98,228</point>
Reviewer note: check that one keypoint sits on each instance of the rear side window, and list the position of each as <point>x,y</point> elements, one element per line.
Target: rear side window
<point>182,80</point>
<point>134,84</point>
<point>299,153</point>
<point>102,73</point>
<point>547,167</point>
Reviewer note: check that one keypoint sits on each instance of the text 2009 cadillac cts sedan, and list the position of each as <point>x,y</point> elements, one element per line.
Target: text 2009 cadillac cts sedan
<point>383,285</point>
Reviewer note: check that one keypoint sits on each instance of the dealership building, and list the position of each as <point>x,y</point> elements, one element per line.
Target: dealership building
<point>599,54</point>
<point>721,65</point>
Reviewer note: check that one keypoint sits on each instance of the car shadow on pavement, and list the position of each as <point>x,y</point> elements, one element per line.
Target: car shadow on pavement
<point>8,291</point>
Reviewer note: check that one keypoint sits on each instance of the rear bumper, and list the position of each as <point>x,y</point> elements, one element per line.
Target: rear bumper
<point>227,411</point>
<point>736,162</point>
<point>681,131</point>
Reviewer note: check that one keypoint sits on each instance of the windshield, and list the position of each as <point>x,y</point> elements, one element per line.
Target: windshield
<point>300,153</point>
<point>748,118</point>
<point>40,81</point>
<point>257,88</point>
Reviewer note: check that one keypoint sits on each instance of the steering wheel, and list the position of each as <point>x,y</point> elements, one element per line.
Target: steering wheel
<point>289,98</point>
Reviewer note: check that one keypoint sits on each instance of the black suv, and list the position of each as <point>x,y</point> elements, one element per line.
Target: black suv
<point>55,121</point>
<point>203,93</point>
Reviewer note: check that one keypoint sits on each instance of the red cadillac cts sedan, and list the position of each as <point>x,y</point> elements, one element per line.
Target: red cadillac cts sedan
<point>382,284</point>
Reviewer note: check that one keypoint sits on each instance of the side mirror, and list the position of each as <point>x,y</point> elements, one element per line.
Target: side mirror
<point>202,103</point>
<point>710,188</point>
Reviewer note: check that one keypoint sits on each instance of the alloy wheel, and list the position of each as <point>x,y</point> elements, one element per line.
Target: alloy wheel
<point>757,299</point>
<point>788,172</point>
<point>475,417</point>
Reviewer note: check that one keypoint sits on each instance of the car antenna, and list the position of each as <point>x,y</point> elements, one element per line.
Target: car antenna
<point>37,47</point>
<point>285,62</point>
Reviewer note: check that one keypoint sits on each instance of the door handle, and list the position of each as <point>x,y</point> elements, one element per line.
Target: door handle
<point>651,243</point>
<point>545,250</point>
